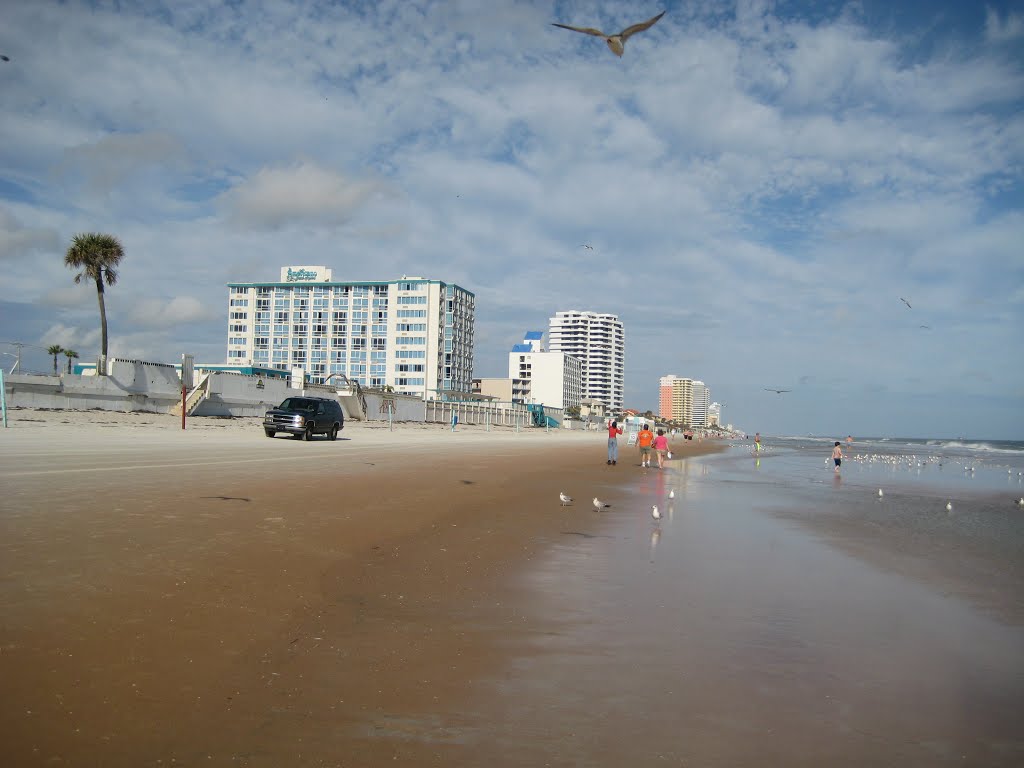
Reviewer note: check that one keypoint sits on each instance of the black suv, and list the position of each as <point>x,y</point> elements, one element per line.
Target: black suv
<point>305,417</point>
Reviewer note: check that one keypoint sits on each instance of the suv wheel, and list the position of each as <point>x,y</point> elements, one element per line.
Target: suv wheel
<point>270,432</point>
<point>333,434</point>
<point>307,433</point>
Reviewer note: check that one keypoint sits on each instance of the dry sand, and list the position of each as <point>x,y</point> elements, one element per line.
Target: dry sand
<point>213,597</point>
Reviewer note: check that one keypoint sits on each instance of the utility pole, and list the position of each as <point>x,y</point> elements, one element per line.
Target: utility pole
<point>19,345</point>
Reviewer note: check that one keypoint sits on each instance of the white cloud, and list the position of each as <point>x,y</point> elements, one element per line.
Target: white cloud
<point>111,159</point>
<point>18,240</point>
<point>301,194</point>
<point>1003,29</point>
<point>180,310</point>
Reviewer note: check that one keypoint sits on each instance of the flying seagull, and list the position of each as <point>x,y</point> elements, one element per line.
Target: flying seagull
<point>564,499</point>
<point>588,247</point>
<point>4,58</point>
<point>928,327</point>
<point>906,302</point>
<point>776,391</point>
<point>598,504</point>
<point>615,42</point>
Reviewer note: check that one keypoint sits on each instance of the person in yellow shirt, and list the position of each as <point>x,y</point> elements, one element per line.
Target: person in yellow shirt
<point>645,439</point>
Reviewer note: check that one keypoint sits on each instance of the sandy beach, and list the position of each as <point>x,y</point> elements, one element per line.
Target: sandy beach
<point>418,597</point>
<point>176,597</point>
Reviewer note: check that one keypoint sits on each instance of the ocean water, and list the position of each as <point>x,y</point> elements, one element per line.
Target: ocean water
<point>779,614</point>
<point>928,465</point>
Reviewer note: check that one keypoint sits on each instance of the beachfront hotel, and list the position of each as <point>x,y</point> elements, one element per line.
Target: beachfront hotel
<point>599,343</point>
<point>412,334</point>
<point>684,400</point>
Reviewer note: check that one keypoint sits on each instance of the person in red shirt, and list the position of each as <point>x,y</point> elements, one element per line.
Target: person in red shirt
<point>614,430</point>
<point>644,440</point>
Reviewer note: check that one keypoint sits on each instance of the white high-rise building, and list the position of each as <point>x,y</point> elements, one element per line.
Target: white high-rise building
<point>413,334</point>
<point>599,343</point>
<point>701,404</point>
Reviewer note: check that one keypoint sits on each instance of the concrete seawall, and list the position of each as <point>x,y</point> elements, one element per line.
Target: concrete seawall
<point>135,385</point>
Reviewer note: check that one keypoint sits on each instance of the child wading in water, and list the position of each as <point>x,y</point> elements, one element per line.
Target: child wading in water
<point>837,455</point>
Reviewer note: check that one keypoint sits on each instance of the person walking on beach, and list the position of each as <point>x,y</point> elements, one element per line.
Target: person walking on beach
<point>837,455</point>
<point>614,430</point>
<point>661,447</point>
<point>455,419</point>
<point>757,442</point>
<point>645,439</point>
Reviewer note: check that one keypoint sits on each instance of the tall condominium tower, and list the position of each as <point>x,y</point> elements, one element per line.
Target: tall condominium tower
<point>599,343</point>
<point>675,398</point>
<point>413,334</point>
<point>701,403</point>
<point>684,400</point>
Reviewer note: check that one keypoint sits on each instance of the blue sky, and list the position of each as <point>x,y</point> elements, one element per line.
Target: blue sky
<point>761,183</point>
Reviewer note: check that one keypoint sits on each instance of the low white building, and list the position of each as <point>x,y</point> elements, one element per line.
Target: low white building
<point>554,379</point>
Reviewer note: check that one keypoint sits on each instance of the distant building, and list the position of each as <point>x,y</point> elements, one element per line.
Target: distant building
<point>701,402</point>
<point>415,335</point>
<point>504,390</point>
<point>715,415</point>
<point>684,400</point>
<point>592,410</point>
<point>552,378</point>
<point>598,341</point>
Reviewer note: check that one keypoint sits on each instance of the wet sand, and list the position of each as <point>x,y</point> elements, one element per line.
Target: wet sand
<point>213,597</point>
<point>743,628</point>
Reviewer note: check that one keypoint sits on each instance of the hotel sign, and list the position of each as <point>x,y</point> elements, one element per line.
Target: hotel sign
<point>304,274</point>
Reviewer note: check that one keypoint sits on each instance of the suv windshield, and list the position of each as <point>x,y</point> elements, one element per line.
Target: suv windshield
<point>298,404</point>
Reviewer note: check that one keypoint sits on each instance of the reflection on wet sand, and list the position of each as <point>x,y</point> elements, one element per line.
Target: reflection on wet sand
<point>754,642</point>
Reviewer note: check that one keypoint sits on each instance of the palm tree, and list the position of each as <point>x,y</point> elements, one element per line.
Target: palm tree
<point>70,354</point>
<point>97,256</point>
<point>54,349</point>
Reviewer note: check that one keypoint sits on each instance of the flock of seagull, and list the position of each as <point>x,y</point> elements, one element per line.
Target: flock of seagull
<point>912,461</point>
<point>566,500</point>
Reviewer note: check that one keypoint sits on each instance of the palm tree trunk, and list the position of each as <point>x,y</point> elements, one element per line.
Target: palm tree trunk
<point>101,369</point>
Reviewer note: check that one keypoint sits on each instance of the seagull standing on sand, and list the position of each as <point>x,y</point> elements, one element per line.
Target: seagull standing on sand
<point>880,494</point>
<point>655,513</point>
<point>598,504</point>
<point>615,42</point>
<point>949,506</point>
<point>672,493</point>
<point>564,499</point>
